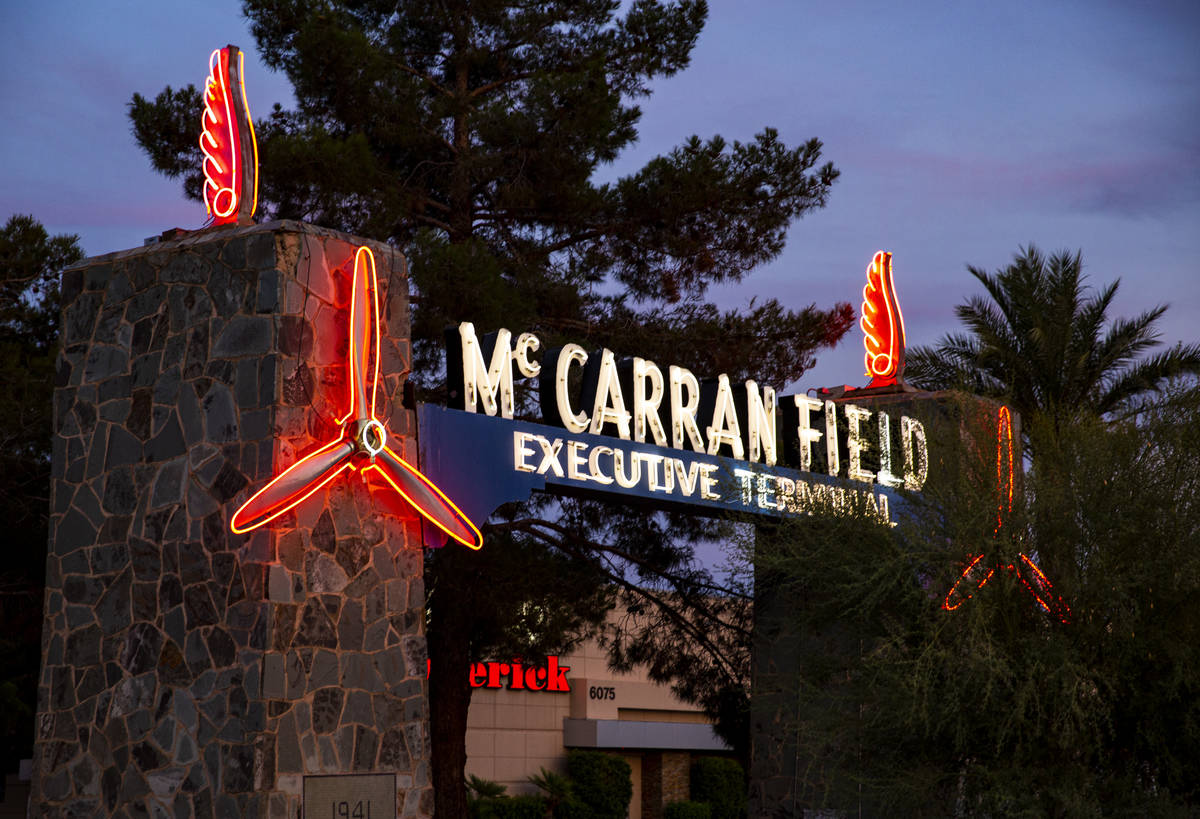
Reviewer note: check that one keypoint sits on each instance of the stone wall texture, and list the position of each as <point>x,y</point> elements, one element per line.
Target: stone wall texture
<point>189,671</point>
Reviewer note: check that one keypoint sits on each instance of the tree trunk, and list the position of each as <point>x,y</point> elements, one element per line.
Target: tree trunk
<point>449,690</point>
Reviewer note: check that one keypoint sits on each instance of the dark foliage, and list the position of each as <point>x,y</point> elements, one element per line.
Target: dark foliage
<point>903,708</point>
<point>507,807</point>
<point>688,810</point>
<point>30,261</point>
<point>721,783</point>
<point>601,784</point>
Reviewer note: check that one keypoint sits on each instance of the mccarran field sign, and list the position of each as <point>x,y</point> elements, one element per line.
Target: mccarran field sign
<point>234,615</point>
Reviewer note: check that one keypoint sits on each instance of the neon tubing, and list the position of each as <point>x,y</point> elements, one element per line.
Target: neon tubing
<point>222,123</point>
<point>882,324</point>
<point>362,441</point>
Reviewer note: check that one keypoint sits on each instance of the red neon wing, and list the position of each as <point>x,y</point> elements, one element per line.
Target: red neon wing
<point>219,142</point>
<point>426,498</point>
<point>881,323</point>
<point>293,485</point>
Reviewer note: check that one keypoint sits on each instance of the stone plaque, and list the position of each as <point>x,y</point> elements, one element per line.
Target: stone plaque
<point>350,796</point>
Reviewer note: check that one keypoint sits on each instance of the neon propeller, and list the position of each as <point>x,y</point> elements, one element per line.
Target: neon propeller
<point>978,573</point>
<point>362,443</point>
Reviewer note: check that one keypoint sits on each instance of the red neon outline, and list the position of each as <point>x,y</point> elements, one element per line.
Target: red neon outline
<point>222,177</point>
<point>1004,433</point>
<point>363,314</point>
<point>882,357</point>
<point>364,356</point>
<point>220,142</point>
<point>478,536</point>
<point>295,499</point>
<point>946,603</point>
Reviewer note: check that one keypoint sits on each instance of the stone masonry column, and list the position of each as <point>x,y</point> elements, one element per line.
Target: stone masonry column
<point>189,671</point>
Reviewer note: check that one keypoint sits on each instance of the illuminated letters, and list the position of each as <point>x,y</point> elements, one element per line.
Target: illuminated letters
<point>521,452</point>
<point>550,677</point>
<point>683,413</point>
<point>760,423</point>
<point>484,382</point>
<point>804,431</point>
<point>885,476</point>
<point>609,406</point>
<point>594,464</point>
<point>645,406</point>
<point>854,443</point>
<point>570,353</point>
<point>831,439</point>
<point>724,428</point>
<point>598,394</point>
<point>526,343</point>
<point>916,453</point>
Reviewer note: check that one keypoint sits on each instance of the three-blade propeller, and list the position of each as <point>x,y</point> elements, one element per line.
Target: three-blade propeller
<point>978,573</point>
<point>362,443</point>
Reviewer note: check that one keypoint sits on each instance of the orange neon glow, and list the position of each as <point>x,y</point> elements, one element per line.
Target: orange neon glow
<point>259,509</point>
<point>960,599</point>
<point>362,441</point>
<point>360,330</point>
<point>882,324</point>
<point>1031,577</point>
<point>1004,465</point>
<point>477,539</point>
<point>226,114</point>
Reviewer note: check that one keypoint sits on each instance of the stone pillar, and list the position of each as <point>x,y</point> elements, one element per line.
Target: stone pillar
<point>190,671</point>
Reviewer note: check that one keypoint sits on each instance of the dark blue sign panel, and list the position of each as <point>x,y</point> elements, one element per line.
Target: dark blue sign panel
<point>482,462</point>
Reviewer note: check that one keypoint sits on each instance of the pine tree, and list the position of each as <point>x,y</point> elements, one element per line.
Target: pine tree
<point>473,135</point>
<point>30,262</point>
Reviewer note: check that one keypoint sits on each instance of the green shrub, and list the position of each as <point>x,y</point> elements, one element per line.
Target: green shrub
<point>478,788</point>
<point>508,807</point>
<point>720,782</point>
<point>687,810</point>
<point>556,789</point>
<point>602,786</point>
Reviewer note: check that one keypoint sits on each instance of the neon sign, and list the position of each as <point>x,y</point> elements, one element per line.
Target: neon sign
<point>977,573</point>
<point>520,677</point>
<point>362,443</point>
<point>626,427</point>
<point>227,141</point>
<point>882,325</point>
<point>638,401</point>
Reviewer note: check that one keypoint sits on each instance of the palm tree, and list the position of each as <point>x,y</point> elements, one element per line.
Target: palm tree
<point>1041,342</point>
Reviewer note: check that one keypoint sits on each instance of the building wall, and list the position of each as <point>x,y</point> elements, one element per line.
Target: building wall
<point>512,735</point>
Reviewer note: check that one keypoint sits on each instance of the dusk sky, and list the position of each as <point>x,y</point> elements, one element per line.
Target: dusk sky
<point>963,131</point>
